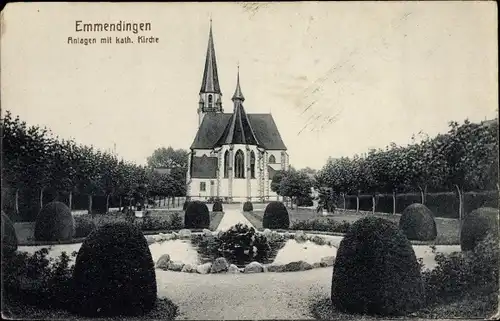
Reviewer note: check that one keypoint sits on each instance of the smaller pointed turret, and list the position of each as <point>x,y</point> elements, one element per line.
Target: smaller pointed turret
<point>238,95</point>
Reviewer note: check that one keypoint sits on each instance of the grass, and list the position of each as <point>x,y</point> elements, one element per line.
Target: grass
<point>477,307</point>
<point>447,229</point>
<point>165,310</point>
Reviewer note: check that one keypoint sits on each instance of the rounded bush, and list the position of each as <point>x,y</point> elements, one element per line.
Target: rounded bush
<point>54,223</point>
<point>376,271</point>
<point>247,206</point>
<point>185,205</point>
<point>476,225</point>
<point>417,222</point>
<point>114,273</point>
<point>217,207</point>
<point>197,215</point>
<point>9,237</point>
<point>276,216</point>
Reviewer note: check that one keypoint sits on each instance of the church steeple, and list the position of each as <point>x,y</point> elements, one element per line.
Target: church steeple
<point>238,95</point>
<point>210,81</point>
<point>210,93</point>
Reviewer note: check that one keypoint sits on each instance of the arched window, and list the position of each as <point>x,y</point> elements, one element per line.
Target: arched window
<point>239,164</point>
<point>272,159</point>
<point>226,164</point>
<point>252,164</point>
<point>210,101</point>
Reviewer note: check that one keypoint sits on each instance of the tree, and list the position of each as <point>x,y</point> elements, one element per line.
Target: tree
<point>295,184</point>
<point>169,158</point>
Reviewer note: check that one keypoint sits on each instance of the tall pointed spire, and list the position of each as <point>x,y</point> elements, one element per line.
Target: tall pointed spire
<point>210,82</point>
<point>238,95</point>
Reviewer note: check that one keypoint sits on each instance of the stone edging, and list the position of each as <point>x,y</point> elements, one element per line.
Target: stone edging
<point>220,265</point>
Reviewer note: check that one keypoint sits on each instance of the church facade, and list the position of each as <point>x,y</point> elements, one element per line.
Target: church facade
<point>235,155</point>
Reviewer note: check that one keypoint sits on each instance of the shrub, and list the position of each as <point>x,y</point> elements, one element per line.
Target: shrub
<point>83,226</point>
<point>197,215</point>
<point>54,223</point>
<point>276,216</point>
<point>247,206</point>
<point>177,221</point>
<point>9,237</point>
<point>464,273</point>
<point>417,222</point>
<point>35,279</point>
<point>376,271</point>
<point>114,273</point>
<point>317,224</point>
<point>217,207</point>
<point>185,205</point>
<point>476,225</point>
<point>305,201</point>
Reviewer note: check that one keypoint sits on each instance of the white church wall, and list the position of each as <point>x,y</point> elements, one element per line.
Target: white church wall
<point>197,193</point>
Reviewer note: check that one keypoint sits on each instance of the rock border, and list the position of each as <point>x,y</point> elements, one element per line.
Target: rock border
<point>221,265</point>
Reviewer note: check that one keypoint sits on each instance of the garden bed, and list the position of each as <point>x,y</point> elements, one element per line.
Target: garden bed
<point>162,222</point>
<point>447,229</point>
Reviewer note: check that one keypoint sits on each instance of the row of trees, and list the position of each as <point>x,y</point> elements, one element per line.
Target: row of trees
<point>466,157</point>
<point>33,158</point>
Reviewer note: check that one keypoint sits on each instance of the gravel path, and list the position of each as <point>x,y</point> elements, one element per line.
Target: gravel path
<point>243,296</point>
<point>232,216</point>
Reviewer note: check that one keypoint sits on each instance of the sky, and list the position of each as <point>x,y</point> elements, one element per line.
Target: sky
<point>338,78</point>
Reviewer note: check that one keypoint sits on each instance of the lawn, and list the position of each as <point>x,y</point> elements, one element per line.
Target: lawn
<point>447,229</point>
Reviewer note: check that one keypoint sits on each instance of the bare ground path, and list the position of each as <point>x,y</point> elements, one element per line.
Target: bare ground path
<point>243,296</point>
<point>232,216</point>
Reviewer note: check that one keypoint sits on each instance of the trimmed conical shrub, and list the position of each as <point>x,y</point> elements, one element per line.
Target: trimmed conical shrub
<point>197,215</point>
<point>114,273</point>
<point>276,216</point>
<point>417,222</point>
<point>54,223</point>
<point>9,237</point>
<point>476,225</point>
<point>376,271</point>
<point>217,207</point>
<point>247,206</point>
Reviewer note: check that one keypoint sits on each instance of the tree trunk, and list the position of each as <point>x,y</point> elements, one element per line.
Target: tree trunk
<point>120,204</point>
<point>41,198</point>
<point>107,204</point>
<point>460,209</point>
<point>343,196</point>
<point>70,200</point>
<point>422,197</point>
<point>373,204</point>
<point>357,203</point>
<point>90,203</point>
<point>16,204</point>
<point>393,202</point>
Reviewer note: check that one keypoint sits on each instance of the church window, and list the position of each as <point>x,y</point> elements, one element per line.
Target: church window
<point>226,164</point>
<point>272,159</point>
<point>252,164</point>
<point>239,164</point>
<point>210,101</point>
<point>203,186</point>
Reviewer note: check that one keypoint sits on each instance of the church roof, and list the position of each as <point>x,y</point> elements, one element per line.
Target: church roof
<point>239,129</point>
<point>203,167</point>
<point>210,81</point>
<point>237,93</point>
<point>216,126</point>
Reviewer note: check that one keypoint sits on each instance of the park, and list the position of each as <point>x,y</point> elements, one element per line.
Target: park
<point>87,214</point>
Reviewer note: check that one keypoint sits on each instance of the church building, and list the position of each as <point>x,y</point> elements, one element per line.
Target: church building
<point>234,155</point>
